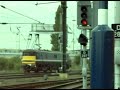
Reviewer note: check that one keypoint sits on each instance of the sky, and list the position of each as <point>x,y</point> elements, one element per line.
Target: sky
<point>45,13</point>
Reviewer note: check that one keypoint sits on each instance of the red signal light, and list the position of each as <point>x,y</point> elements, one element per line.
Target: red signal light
<point>84,22</point>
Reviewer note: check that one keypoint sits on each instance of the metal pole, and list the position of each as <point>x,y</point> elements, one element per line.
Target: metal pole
<point>73,35</point>
<point>16,41</point>
<point>64,6</point>
<point>84,67</point>
<point>19,40</point>
<point>81,61</point>
<point>19,36</point>
<point>38,42</point>
<point>61,34</point>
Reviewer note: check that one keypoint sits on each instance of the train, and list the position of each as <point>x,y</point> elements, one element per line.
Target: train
<point>43,61</point>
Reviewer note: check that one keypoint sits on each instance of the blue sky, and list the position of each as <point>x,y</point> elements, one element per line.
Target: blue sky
<point>44,13</point>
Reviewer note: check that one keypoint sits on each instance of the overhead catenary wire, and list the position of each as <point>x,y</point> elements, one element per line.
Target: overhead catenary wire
<point>21,33</point>
<point>19,13</point>
<point>24,15</point>
<point>47,3</point>
<point>11,30</point>
<point>17,23</point>
<point>16,33</point>
<point>23,37</point>
<point>72,31</point>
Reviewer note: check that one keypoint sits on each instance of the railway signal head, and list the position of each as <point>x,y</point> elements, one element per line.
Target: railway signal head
<point>83,40</point>
<point>84,16</point>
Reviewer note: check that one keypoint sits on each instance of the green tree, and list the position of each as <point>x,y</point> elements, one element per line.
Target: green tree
<point>56,26</point>
<point>54,42</point>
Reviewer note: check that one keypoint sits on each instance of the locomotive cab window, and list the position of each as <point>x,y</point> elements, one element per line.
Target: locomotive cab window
<point>29,53</point>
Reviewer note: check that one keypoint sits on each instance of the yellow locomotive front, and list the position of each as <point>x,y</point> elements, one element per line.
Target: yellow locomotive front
<point>29,60</point>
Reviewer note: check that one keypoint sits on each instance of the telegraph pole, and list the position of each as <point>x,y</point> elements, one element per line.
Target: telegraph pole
<point>64,6</point>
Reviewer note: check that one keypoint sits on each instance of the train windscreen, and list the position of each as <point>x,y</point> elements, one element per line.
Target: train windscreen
<point>29,53</point>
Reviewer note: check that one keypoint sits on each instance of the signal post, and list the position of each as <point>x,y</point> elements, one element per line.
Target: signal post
<point>84,21</point>
<point>83,40</point>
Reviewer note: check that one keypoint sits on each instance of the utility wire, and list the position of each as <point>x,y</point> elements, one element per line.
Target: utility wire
<point>72,31</point>
<point>47,3</point>
<point>19,13</point>
<point>11,30</point>
<point>16,33</point>
<point>21,33</point>
<point>23,37</point>
<point>19,23</point>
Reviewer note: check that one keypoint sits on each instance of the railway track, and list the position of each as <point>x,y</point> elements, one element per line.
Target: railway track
<point>13,76</point>
<point>75,83</point>
<point>22,75</point>
<point>13,73</point>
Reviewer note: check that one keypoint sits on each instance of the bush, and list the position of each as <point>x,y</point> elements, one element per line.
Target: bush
<point>13,63</point>
<point>77,60</point>
<point>3,63</point>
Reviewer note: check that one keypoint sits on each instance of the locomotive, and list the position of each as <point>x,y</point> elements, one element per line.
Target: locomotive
<point>44,61</point>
